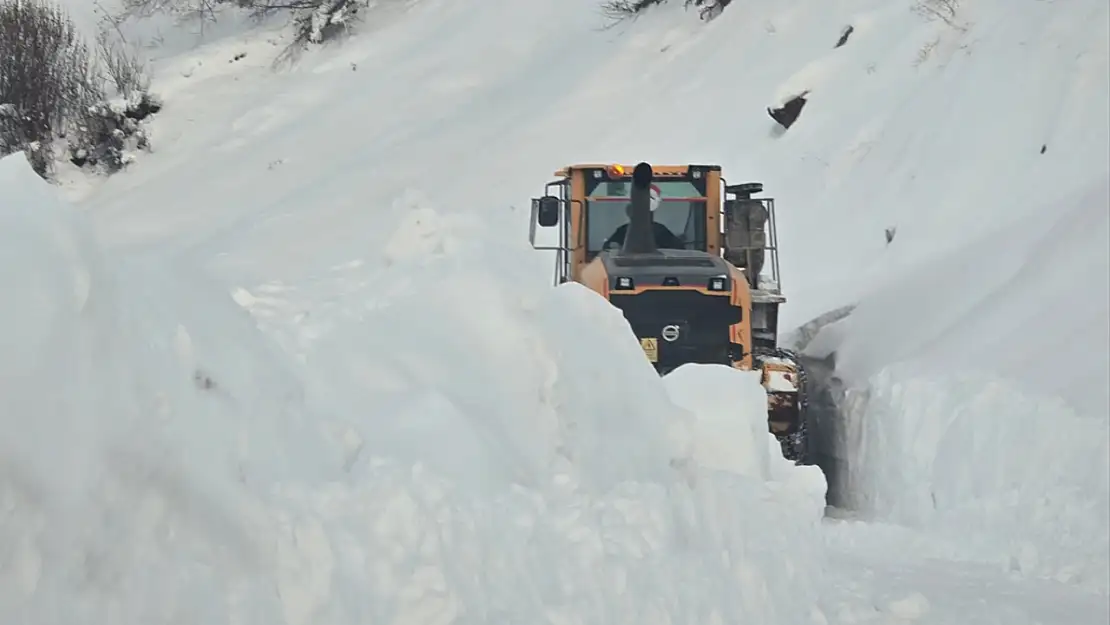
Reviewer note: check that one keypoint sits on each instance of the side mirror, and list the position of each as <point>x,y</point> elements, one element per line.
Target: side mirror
<point>546,209</point>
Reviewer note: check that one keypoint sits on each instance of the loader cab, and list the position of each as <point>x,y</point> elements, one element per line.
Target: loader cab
<point>587,205</point>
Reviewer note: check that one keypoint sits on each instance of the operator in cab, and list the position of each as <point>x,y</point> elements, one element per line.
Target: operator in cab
<point>664,238</point>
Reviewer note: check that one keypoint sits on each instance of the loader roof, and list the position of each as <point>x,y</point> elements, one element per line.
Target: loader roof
<point>656,170</point>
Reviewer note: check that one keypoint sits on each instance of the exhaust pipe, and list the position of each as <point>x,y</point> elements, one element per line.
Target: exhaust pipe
<point>639,238</point>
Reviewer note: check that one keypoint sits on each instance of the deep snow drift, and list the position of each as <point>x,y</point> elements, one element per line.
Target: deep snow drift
<point>161,465</point>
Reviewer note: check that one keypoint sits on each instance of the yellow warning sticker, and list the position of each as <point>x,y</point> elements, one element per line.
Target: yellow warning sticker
<point>651,348</point>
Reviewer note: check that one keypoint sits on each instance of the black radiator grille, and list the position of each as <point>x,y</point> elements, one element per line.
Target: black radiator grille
<point>702,320</point>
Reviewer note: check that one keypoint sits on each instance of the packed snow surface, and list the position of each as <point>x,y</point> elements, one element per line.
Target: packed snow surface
<point>298,365</point>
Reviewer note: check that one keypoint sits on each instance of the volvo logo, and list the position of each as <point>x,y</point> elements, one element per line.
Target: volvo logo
<point>670,333</point>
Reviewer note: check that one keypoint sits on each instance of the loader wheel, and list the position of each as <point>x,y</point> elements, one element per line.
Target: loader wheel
<point>795,446</point>
<point>795,442</point>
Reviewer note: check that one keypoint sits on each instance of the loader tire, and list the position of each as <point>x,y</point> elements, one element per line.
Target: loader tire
<point>795,444</point>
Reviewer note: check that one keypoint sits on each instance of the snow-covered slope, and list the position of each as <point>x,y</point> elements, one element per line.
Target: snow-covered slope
<point>420,427</point>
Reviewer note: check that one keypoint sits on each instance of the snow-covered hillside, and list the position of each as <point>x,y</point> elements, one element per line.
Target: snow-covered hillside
<point>299,364</point>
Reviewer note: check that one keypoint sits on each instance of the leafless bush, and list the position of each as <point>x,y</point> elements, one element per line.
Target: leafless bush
<point>926,51</point>
<point>618,10</point>
<point>943,10</point>
<point>314,21</point>
<point>52,90</point>
<point>120,60</point>
<point>205,10</point>
<point>320,20</point>
<point>46,77</point>
<point>105,136</point>
<point>622,9</point>
<point>125,69</point>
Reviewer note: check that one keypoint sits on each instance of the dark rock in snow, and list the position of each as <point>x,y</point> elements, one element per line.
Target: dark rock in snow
<point>844,36</point>
<point>788,113</point>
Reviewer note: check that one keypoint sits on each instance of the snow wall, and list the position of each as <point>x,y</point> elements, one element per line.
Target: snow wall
<point>994,421</point>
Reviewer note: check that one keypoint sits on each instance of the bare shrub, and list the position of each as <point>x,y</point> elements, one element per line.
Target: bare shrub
<point>314,21</point>
<point>622,9</point>
<point>105,136</point>
<point>321,20</point>
<point>926,51</point>
<point>943,10</point>
<point>204,10</point>
<point>46,78</point>
<point>120,59</point>
<point>53,91</point>
<point>619,10</point>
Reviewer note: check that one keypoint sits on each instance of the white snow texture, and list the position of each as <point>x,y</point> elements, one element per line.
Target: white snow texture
<point>299,366</point>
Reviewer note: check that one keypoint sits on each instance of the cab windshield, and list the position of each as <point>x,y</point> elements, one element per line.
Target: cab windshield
<point>680,209</point>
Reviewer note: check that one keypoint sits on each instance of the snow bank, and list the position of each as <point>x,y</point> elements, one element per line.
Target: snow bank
<point>727,436</point>
<point>514,430</point>
<point>1015,478</point>
<point>142,422</point>
<point>161,464</point>
<point>992,419</point>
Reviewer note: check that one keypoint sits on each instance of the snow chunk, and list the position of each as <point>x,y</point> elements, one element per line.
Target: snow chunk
<point>910,608</point>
